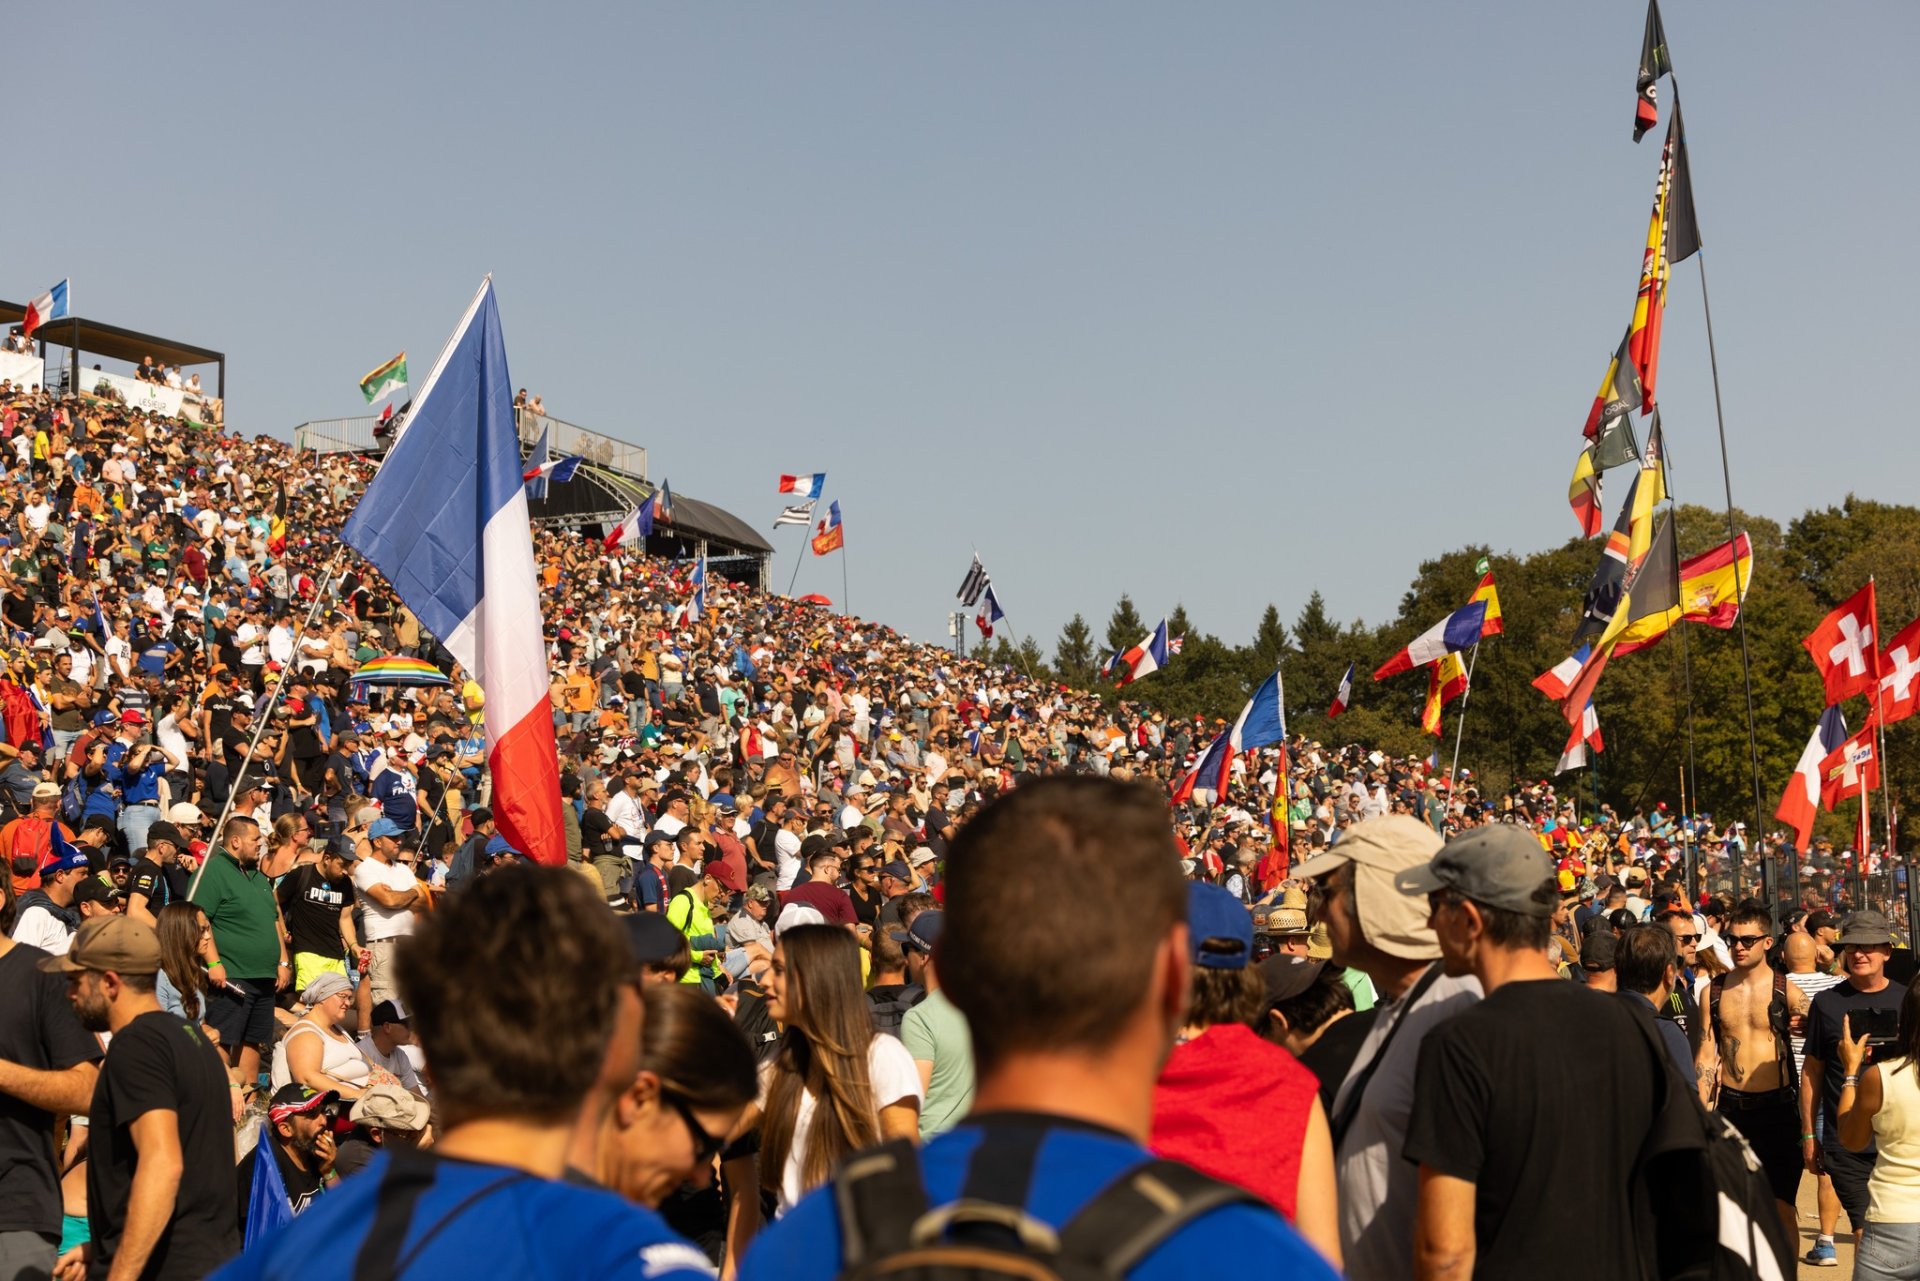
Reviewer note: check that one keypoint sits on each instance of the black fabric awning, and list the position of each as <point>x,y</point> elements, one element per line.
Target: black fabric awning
<point>598,494</point>
<point>97,338</point>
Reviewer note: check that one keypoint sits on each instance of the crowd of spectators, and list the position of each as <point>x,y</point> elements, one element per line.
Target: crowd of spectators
<point>826,896</point>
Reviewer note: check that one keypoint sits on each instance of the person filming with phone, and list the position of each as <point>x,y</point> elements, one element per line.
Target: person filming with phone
<point>1880,1106</point>
<point>1865,1001</point>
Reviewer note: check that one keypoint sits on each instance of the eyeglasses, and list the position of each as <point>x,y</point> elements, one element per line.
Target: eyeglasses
<point>1745,940</point>
<point>705,1146</point>
<point>1686,938</point>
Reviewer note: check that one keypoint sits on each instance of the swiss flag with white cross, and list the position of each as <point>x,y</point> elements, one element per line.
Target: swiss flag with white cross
<point>1846,646</point>
<point>1899,678</point>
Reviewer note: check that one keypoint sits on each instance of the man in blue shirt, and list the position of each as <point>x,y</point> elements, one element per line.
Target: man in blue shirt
<point>514,1060</point>
<point>136,768</point>
<point>1066,1067</point>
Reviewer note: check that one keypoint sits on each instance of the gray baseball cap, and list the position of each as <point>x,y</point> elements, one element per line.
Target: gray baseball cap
<point>1499,866</point>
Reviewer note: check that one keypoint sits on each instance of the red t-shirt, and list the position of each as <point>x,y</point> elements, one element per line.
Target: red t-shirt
<point>1234,1106</point>
<point>829,900</point>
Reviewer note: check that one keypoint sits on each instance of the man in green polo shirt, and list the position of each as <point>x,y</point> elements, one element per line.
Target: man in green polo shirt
<point>250,962</point>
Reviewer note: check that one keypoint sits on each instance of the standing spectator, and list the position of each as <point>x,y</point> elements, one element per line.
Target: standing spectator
<point>1801,952</point>
<point>1880,1104</point>
<point>1374,928</point>
<point>48,1066</point>
<point>1498,1103</point>
<point>837,1085</point>
<point>514,1058</point>
<point>1646,966</point>
<point>1067,1066</point>
<point>935,1032</point>
<point>250,962</point>
<point>691,912</point>
<point>1864,942</point>
<point>1230,1104</point>
<point>149,888</point>
<point>160,1145</point>
<point>28,840</point>
<point>1749,1052</point>
<point>387,894</point>
<point>316,902</point>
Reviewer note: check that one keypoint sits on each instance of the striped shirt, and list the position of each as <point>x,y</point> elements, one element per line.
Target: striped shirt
<point>1813,985</point>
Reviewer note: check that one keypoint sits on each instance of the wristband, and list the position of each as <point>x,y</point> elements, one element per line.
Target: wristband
<point>1805,1137</point>
<point>1845,1081</point>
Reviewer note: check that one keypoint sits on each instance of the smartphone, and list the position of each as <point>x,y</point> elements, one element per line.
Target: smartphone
<point>1881,1026</point>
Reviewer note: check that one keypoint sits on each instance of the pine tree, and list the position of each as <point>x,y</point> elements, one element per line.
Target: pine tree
<point>1125,628</point>
<point>1073,653</point>
<point>1270,641</point>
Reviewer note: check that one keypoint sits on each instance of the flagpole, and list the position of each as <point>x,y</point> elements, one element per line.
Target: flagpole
<point>1726,478</point>
<point>1880,737</point>
<point>846,609</point>
<point>1460,722</point>
<point>263,715</point>
<point>797,561</point>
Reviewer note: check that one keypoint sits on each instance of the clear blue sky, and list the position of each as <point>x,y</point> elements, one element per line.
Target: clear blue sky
<point>1213,304</point>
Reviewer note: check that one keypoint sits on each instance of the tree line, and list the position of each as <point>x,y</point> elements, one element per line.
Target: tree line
<point>1673,715</point>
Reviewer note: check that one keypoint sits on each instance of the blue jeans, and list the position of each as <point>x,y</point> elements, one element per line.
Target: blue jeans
<point>1888,1252</point>
<point>134,822</point>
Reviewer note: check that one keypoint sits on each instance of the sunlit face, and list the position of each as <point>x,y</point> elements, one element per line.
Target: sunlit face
<point>660,1141</point>
<point>1866,962</point>
<point>87,990</point>
<point>777,1007</point>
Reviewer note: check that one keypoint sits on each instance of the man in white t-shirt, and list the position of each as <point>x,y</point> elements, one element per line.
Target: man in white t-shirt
<point>786,848</point>
<point>48,916</point>
<point>388,893</point>
<point>389,1045</point>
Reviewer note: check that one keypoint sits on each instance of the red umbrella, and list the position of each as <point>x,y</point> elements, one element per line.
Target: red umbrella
<point>815,598</point>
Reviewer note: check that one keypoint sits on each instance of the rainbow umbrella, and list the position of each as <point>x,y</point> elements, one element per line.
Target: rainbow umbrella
<point>397,669</point>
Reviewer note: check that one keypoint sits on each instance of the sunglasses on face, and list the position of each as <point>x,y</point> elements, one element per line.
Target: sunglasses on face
<point>705,1146</point>
<point>1745,940</point>
<point>1686,938</point>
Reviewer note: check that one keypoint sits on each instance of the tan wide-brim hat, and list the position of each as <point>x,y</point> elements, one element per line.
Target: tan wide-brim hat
<point>1380,849</point>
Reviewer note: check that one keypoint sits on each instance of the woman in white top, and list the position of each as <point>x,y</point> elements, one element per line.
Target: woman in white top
<point>1880,1104</point>
<point>836,1085</point>
<point>316,1052</point>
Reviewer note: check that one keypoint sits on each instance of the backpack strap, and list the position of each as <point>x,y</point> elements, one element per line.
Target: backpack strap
<point>1134,1214</point>
<point>1343,1121</point>
<point>879,1196</point>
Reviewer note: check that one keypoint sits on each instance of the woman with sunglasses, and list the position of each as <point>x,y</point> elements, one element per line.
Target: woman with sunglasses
<point>696,1078</point>
<point>836,1085</point>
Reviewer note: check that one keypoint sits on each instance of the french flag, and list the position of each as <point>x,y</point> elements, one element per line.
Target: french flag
<point>1150,655</point>
<point>1450,635</point>
<point>990,613</point>
<point>1342,696</point>
<point>556,470</point>
<point>1586,735</point>
<point>1557,682</point>
<point>1802,799</point>
<point>1261,723</point>
<point>807,486</point>
<point>445,519</point>
<point>52,305</point>
<point>696,608</point>
<point>634,528</point>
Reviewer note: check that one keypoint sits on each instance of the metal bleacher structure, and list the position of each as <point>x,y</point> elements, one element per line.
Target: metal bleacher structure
<point>611,481</point>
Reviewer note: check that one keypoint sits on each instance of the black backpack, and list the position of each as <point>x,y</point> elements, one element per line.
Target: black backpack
<point>1699,1188</point>
<point>889,1013</point>
<point>887,1229</point>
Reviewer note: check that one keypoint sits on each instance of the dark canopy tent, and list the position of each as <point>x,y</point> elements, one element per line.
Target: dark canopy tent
<point>97,338</point>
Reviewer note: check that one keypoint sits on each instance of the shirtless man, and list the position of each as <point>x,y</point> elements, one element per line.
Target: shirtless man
<point>1747,1050</point>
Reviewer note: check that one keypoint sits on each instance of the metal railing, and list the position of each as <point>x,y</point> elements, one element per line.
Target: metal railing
<point>355,435</point>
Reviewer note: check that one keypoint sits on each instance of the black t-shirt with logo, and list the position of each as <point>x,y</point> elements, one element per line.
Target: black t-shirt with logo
<point>302,1185</point>
<point>38,1031</point>
<point>150,879</point>
<point>311,905</point>
<point>161,1062</point>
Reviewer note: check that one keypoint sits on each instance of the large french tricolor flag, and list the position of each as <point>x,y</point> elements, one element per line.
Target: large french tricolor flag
<point>1261,723</point>
<point>1150,655</point>
<point>52,305</point>
<point>807,486</point>
<point>1343,696</point>
<point>445,519</point>
<point>1455,632</point>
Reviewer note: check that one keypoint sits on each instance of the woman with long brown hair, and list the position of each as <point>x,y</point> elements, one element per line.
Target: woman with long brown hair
<point>185,939</point>
<point>836,1085</point>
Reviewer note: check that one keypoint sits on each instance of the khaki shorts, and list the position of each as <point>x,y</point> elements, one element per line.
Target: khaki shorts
<point>380,970</point>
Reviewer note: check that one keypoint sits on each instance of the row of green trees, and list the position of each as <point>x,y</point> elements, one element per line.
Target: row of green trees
<point>1672,712</point>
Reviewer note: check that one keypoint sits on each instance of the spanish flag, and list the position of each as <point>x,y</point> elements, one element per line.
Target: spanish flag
<point>1446,681</point>
<point>1490,623</point>
<point>1712,586</point>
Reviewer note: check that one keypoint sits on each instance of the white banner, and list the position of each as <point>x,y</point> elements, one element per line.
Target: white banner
<point>22,369</point>
<point>149,398</point>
